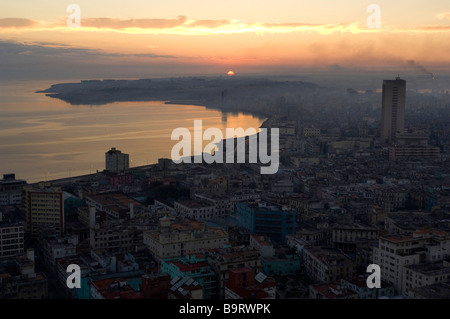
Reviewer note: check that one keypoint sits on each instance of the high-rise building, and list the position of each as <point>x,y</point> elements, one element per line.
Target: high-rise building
<point>392,109</point>
<point>116,161</point>
<point>44,208</point>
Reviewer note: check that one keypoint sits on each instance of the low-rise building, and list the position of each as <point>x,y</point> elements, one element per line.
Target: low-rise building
<point>113,288</point>
<point>176,238</point>
<point>331,291</point>
<point>359,285</point>
<point>117,206</point>
<point>425,274</point>
<point>19,280</point>
<point>224,259</point>
<point>243,284</point>
<point>262,244</point>
<point>434,291</point>
<point>327,265</point>
<point>185,288</point>
<point>193,266</point>
<point>156,286</point>
<point>195,209</point>
<point>120,238</point>
<point>347,236</point>
<point>223,205</point>
<point>59,247</point>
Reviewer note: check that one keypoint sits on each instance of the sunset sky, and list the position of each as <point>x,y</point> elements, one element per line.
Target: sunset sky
<point>199,36</point>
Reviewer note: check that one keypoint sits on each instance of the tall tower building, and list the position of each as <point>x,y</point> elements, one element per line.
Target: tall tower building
<point>392,109</point>
<point>116,161</point>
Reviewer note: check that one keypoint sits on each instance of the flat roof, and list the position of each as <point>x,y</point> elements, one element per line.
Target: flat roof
<point>191,203</point>
<point>431,269</point>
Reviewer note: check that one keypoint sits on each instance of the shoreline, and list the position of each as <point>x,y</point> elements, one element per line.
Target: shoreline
<point>67,91</point>
<point>64,180</point>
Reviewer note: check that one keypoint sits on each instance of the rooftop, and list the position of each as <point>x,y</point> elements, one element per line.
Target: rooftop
<point>116,199</point>
<point>190,203</point>
<point>431,269</point>
<point>116,288</point>
<point>332,291</point>
<point>435,291</point>
<point>330,257</point>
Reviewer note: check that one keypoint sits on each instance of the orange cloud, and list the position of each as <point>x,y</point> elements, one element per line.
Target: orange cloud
<point>185,27</point>
<point>428,28</point>
<point>181,26</point>
<point>110,23</point>
<point>209,23</point>
<point>17,23</point>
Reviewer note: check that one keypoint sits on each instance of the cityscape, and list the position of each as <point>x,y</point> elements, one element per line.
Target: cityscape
<point>319,183</point>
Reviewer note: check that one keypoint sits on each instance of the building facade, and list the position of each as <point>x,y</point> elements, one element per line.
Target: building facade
<point>177,238</point>
<point>11,190</point>
<point>392,109</point>
<point>266,219</point>
<point>395,252</point>
<point>11,238</point>
<point>116,161</point>
<point>44,208</point>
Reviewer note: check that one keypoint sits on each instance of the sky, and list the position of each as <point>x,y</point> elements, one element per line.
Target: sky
<point>135,38</point>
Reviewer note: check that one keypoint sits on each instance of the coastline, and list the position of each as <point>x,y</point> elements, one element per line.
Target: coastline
<point>64,180</point>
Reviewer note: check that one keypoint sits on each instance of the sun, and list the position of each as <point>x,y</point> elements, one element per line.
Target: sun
<point>230,73</point>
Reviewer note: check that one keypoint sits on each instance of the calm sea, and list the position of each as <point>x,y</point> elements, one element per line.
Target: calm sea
<point>43,138</point>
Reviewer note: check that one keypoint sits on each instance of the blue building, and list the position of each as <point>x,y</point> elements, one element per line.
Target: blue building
<point>266,219</point>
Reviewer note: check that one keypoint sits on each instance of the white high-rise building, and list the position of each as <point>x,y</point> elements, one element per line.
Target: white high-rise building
<point>116,161</point>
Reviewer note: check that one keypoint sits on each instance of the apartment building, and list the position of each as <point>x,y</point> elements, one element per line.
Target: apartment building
<point>11,238</point>
<point>327,265</point>
<point>195,209</point>
<point>421,275</point>
<point>44,208</point>
<point>179,237</point>
<point>395,252</point>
